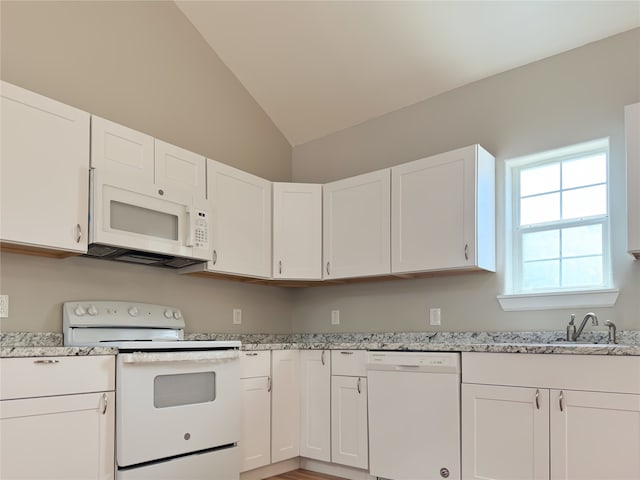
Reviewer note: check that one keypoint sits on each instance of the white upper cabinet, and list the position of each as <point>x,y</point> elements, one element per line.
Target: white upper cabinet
<point>136,156</point>
<point>179,168</point>
<point>443,212</point>
<point>45,174</point>
<point>357,222</point>
<point>632,124</point>
<point>297,231</point>
<point>240,204</point>
<point>121,150</point>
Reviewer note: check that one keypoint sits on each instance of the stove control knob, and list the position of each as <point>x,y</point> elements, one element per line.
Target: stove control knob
<point>79,311</point>
<point>92,310</point>
<point>168,314</point>
<point>133,311</point>
<point>177,315</point>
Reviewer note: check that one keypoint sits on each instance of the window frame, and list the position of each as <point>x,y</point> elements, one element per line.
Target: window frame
<point>517,298</point>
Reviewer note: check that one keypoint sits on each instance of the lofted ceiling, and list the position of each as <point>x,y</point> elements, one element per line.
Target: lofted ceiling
<point>317,67</point>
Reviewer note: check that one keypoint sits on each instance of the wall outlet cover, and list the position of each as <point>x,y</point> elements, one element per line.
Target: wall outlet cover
<point>4,306</point>
<point>434,316</point>
<point>237,316</point>
<point>335,317</point>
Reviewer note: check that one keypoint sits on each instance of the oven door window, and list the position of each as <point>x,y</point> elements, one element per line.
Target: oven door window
<point>184,389</point>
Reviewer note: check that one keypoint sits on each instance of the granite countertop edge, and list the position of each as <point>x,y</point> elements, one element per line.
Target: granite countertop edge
<point>30,344</point>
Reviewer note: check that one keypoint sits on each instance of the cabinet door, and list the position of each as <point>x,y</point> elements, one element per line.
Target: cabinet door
<point>505,433</point>
<point>632,127</point>
<point>595,436</point>
<point>255,437</point>
<point>68,437</point>
<point>315,409</point>
<point>44,192</point>
<point>443,212</point>
<point>175,167</point>
<point>297,231</point>
<point>241,209</point>
<point>357,223</point>
<point>349,431</point>
<point>285,405</point>
<point>121,150</point>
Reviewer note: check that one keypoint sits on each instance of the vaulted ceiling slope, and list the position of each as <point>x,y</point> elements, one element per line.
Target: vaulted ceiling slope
<point>317,67</point>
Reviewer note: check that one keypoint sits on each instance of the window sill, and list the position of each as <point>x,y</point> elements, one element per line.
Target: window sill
<point>557,300</point>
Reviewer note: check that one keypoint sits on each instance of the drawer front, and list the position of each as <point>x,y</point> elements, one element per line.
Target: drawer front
<point>601,373</point>
<point>46,376</point>
<point>349,362</point>
<point>255,364</point>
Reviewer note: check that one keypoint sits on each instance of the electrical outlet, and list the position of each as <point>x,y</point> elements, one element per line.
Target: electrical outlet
<point>4,306</point>
<point>434,316</point>
<point>237,316</point>
<point>335,317</point>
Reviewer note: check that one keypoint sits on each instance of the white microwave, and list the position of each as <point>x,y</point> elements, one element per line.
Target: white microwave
<point>136,222</point>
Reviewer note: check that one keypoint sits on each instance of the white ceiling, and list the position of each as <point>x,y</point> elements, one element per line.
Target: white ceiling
<point>317,67</point>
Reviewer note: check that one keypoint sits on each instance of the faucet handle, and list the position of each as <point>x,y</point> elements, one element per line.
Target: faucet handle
<point>572,318</point>
<point>612,331</point>
<point>571,329</point>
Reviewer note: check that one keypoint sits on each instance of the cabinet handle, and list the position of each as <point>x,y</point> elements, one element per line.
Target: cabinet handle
<point>46,362</point>
<point>561,401</point>
<point>359,381</point>
<point>346,353</point>
<point>251,354</point>
<point>328,270</point>
<point>269,384</point>
<point>537,399</point>
<point>322,357</point>
<point>78,233</point>
<point>280,267</point>
<point>105,403</point>
<point>215,256</point>
<point>466,251</point>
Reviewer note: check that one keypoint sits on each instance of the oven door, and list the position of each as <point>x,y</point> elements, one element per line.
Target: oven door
<point>132,215</point>
<point>173,403</point>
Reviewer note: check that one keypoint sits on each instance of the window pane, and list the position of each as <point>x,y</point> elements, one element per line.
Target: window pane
<point>543,208</point>
<point>582,272</point>
<point>584,202</point>
<point>579,241</point>
<point>540,179</point>
<point>541,245</point>
<point>541,275</point>
<point>584,171</point>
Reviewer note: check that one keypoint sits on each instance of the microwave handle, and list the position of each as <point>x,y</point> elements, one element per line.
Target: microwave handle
<point>191,227</point>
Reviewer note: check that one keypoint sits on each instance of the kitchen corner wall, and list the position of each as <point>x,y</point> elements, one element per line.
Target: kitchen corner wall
<point>562,100</point>
<point>141,64</point>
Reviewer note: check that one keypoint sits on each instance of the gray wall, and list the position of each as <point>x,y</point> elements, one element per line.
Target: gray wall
<point>561,100</point>
<point>141,64</point>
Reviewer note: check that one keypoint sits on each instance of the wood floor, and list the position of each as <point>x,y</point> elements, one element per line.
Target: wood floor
<point>304,475</point>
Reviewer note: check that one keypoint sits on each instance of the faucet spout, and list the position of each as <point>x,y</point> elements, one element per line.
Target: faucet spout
<point>594,321</point>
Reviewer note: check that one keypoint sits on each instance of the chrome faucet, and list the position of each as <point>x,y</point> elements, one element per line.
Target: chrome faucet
<point>594,321</point>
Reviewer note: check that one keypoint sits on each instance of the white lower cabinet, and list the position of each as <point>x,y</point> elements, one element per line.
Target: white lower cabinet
<point>315,407</point>
<point>558,417</point>
<point>349,427</point>
<point>285,405</point>
<point>65,431</point>
<point>255,383</point>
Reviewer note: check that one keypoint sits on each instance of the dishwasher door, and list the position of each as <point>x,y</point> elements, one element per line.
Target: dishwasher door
<point>414,415</point>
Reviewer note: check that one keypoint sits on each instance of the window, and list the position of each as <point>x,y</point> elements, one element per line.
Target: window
<point>558,221</point>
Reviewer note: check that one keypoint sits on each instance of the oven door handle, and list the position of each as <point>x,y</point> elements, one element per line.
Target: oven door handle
<point>209,356</point>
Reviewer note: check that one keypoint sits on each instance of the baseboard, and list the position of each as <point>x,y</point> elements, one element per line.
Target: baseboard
<point>335,470</point>
<point>271,470</point>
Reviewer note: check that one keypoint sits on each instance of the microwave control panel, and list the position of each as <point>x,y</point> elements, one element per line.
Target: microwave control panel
<point>201,229</point>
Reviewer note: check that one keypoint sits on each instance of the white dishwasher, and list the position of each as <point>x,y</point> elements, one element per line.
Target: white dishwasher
<point>414,415</point>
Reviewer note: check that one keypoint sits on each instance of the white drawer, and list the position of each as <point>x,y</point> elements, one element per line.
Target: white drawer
<point>351,363</point>
<point>46,376</point>
<point>601,373</point>
<point>255,364</point>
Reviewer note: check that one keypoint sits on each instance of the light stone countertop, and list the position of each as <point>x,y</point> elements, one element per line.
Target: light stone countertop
<point>25,344</point>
